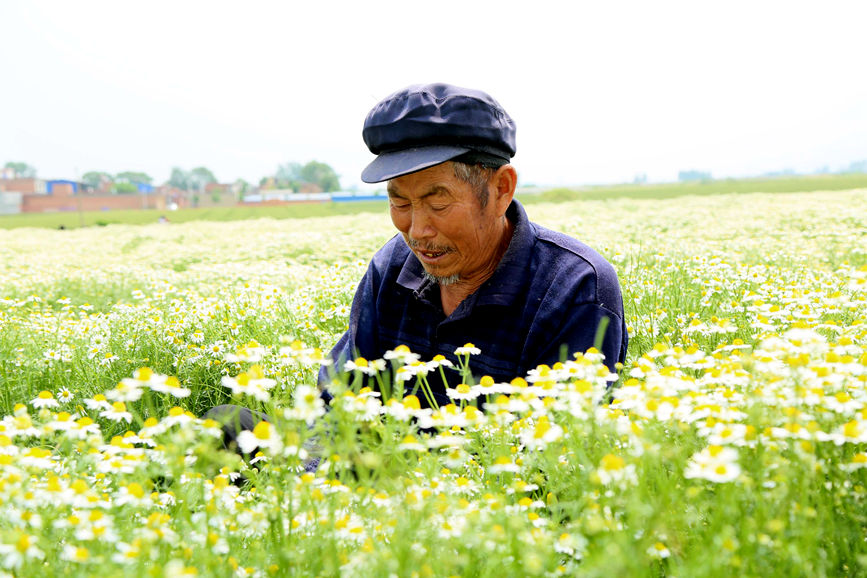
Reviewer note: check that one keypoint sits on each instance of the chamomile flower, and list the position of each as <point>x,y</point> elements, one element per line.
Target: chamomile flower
<point>463,392</point>
<point>716,464</point>
<point>468,349</point>
<point>613,470</point>
<point>117,412</point>
<point>364,366</point>
<point>401,354</point>
<point>264,436</point>
<point>308,405</point>
<point>172,386</point>
<point>44,399</point>
<point>503,464</point>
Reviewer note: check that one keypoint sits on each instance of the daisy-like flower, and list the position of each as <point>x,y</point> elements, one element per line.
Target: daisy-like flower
<point>853,431</point>
<point>251,352</point>
<point>264,436</point>
<point>39,458</point>
<point>503,464</point>
<point>63,421</point>
<point>44,399</point>
<point>465,486</point>
<point>308,405</point>
<point>405,409</point>
<point>216,349</point>
<point>414,369</point>
<point>658,551</point>
<point>252,382</point>
<point>177,416</point>
<point>78,554</point>
<point>132,493</point>
<point>144,377</point>
<point>117,412</point>
<point>23,548</point>
<point>172,386</point>
<point>613,470</point>
<point>364,366</point>
<point>64,395</point>
<point>437,361</point>
<point>542,433</point>
<point>716,464</point>
<point>487,386</point>
<point>126,390</point>
<point>858,462</point>
<point>98,401</point>
<point>411,443</point>
<point>463,392</point>
<point>84,427</point>
<point>402,354</point>
<point>468,349</point>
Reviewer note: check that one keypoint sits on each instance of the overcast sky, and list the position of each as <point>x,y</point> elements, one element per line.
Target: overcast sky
<point>600,91</point>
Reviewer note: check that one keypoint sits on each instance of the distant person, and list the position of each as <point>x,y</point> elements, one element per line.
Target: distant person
<point>467,265</point>
<point>163,220</point>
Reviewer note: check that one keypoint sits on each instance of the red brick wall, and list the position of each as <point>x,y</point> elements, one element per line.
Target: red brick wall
<point>45,204</point>
<point>62,189</point>
<point>22,185</point>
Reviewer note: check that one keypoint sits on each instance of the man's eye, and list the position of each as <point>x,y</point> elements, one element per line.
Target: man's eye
<point>400,206</point>
<point>439,207</point>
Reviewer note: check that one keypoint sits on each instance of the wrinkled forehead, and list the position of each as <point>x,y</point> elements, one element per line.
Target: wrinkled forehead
<point>437,180</point>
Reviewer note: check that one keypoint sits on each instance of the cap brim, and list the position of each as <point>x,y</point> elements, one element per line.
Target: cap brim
<point>403,162</point>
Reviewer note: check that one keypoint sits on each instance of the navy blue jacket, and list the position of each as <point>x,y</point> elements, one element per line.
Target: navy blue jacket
<point>546,298</point>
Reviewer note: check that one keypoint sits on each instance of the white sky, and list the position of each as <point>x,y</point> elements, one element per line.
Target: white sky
<point>600,91</point>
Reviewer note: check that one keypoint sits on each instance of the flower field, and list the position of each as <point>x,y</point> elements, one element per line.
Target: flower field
<point>735,442</point>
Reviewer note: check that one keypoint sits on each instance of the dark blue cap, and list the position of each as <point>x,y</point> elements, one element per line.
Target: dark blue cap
<point>427,124</point>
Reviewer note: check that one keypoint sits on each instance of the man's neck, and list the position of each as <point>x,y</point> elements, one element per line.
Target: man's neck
<point>452,295</point>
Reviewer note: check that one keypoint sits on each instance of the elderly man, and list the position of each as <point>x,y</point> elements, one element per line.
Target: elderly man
<point>467,264</point>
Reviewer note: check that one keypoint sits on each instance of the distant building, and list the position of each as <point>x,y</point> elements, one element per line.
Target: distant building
<point>218,188</point>
<point>26,186</point>
<point>10,203</point>
<point>64,187</point>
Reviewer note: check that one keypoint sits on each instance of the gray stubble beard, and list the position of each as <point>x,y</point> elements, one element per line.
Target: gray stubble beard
<point>442,281</point>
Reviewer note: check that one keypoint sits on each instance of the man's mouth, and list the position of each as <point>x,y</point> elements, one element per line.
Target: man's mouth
<point>428,254</point>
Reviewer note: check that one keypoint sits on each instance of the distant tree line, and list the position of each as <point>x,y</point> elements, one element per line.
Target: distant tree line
<point>291,175</point>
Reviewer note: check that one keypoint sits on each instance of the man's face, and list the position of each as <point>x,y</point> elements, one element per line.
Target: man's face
<point>442,222</point>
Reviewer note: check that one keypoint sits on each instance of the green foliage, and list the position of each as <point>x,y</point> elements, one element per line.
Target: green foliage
<point>133,177</point>
<point>95,178</point>
<point>293,175</point>
<point>200,177</point>
<point>22,170</point>
<point>124,188</point>
<point>179,179</point>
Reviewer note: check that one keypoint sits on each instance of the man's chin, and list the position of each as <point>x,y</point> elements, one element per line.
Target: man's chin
<point>442,280</point>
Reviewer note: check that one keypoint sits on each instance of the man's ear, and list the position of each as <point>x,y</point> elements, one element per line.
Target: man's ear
<point>504,182</point>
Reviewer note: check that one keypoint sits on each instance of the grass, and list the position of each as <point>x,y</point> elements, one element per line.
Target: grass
<point>72,220</point>
<point>703,188</point>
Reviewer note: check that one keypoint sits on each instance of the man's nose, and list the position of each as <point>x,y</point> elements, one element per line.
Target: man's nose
<point>420,227</point>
